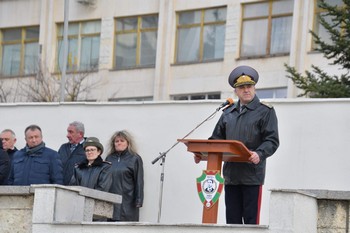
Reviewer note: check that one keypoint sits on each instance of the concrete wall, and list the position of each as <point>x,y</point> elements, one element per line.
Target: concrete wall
<point>16,209</point>
<point>312,155</point>
<point>58,208</point>
<point>22,206</point>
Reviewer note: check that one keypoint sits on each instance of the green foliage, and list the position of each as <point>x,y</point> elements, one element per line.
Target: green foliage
<point>319,84</point>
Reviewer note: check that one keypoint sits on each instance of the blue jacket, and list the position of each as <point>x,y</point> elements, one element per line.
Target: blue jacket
<point>40,167</point>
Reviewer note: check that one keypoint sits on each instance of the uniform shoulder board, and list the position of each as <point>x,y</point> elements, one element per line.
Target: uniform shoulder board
<point>266,104</point>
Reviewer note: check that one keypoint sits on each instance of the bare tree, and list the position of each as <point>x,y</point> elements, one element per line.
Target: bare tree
<point>79,85</point>
<point>45,87</point>
<point>8,90</point>
<point>4,93</point>
<point>40,88</point>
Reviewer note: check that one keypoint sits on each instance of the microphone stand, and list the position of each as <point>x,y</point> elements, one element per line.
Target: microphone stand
<point>162,156</point>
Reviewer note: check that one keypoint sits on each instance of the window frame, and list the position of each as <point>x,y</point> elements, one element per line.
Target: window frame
<point>138,31</point>
<point>194,96</point>
<point>131,99</point>
<point>270,18</point>
<point>22,42</point>
<point>275,92</point>
<point>79,36</point>
<point>316,25</point>
<point>201,24</point>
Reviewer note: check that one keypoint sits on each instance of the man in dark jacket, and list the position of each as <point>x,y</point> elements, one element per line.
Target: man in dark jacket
<point>72,152</point>
<point>255,124</point>
<point>35,163</point>
<point>4,166</point>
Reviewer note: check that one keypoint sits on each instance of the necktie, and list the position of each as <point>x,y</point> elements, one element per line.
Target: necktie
<point>72,147</point>
<point>241,108</point>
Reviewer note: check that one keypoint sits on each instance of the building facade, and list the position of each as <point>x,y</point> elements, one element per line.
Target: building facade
<point>156,50</point>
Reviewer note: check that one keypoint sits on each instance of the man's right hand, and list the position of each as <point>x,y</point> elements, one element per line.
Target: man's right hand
<point>197,158</point>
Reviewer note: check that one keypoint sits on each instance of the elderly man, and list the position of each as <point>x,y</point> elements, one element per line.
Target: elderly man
<point>255,124</point>
<point>8,139</point>
<point>35,163</point>
<point>72,152</point>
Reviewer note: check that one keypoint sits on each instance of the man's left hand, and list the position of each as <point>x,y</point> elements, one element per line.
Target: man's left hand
<point>254,158</point>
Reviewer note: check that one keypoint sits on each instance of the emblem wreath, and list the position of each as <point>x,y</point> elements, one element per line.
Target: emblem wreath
<point>209,187</point>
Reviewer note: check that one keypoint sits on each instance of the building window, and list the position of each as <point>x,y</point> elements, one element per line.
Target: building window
<point>20,51</point>
<point>83,46</point>
<point>133,99</point>
<point>272,93</point>
<point>197,96</point>
<point>266,28</point>
<point>136,42</point>
<point>200,35</point>
<point>318,28</point>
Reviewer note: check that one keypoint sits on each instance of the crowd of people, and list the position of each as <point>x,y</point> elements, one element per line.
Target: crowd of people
<point>77,162</point>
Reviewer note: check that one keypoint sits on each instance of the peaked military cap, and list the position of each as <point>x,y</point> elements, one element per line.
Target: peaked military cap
<point>92,141</point>
<point>243,75</point>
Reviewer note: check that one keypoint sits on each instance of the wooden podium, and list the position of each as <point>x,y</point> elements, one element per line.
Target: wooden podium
<point>214,152</point>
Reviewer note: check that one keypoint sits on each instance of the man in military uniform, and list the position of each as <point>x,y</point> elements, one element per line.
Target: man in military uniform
<point>254,124</point>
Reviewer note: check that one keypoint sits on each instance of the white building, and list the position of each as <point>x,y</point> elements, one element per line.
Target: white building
<point>157,49</point>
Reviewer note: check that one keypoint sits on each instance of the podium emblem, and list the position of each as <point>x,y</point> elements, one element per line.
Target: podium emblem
<point>209,187</point>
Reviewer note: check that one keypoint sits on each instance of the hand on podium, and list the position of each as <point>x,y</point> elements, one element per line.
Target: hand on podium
<point>197,158</point>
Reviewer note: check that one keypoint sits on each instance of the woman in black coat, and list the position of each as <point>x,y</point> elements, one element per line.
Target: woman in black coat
<point>93,172</point>
<point>127,176</point>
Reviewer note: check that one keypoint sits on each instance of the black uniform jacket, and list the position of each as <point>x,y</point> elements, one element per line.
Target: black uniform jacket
<point>257,127</point>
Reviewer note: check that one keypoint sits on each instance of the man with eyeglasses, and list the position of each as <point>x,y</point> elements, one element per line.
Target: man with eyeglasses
<point>8,139</point>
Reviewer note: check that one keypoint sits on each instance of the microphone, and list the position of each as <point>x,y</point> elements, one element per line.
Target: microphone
<point>228,102</point>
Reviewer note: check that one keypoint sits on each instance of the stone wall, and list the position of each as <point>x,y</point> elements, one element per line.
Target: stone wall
<point>56,208</point>
<point>16,209</point>
<point>23,206</point>
<point>309,211</point>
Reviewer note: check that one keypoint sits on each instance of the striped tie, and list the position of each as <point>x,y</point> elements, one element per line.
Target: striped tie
<point>241,108</point>
<point>72,147</point>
